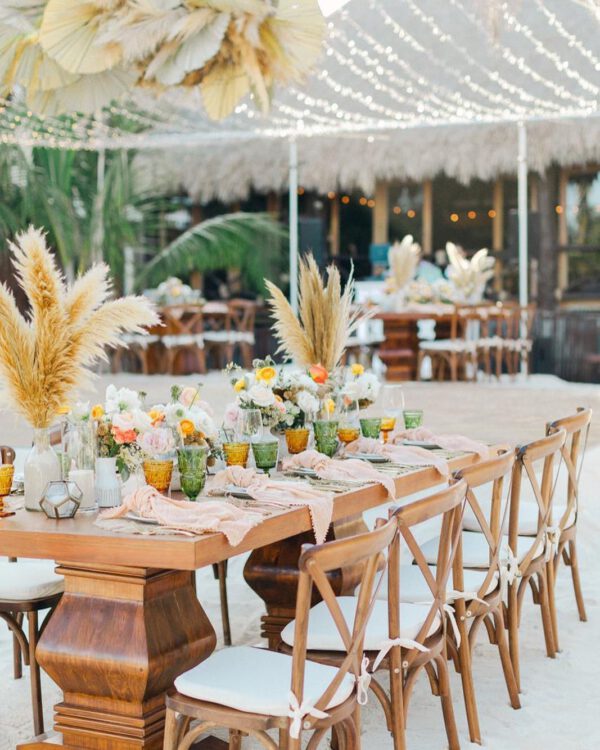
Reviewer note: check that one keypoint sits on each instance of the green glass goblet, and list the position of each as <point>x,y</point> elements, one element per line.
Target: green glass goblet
<point>370,427</point>
<point>265,454</point>
<point>326,436</point>
<point>191,460</point>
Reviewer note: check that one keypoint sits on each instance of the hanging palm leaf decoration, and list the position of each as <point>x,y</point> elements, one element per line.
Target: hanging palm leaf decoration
<point>225,48</point>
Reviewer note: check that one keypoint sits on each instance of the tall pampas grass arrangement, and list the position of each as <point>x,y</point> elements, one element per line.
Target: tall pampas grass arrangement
<point>325,319</point>
<point>46,355</point>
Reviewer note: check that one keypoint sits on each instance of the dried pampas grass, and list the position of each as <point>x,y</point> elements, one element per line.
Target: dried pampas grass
<point>46,356</point>
<point>326,319</point>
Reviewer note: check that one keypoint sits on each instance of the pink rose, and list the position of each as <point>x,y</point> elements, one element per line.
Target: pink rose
<point>231,416</point>
<point>188,395</point>
<point>156,441</point>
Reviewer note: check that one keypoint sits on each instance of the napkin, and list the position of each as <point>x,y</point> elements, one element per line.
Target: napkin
<point>280,493</point>
<point>447,442</point>
<point>331,468</point>
<point>183,515</point>
<point>400,454</point>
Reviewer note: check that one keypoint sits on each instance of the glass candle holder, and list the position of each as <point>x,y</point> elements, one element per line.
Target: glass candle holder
<point>192,460</point>
<point>297,439</point>
<point>370,427</point>
<point>158,473</point>
<point>326,436</point>
<point>265,454</point>
<point>7,472</point>
<point>413,418</point>
<point>236,454</point>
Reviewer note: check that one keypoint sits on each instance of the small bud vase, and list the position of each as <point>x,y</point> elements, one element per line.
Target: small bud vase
<point>108,486</point>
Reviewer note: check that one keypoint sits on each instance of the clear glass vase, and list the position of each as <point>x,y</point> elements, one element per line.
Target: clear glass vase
<point>42,465</point>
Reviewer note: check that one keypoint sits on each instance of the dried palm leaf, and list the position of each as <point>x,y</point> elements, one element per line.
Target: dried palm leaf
<point>46,356</point>
<point>326,319</point>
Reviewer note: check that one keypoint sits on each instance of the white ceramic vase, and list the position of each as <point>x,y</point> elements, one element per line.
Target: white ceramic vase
<point>108,486</point>
<point>42,465</point>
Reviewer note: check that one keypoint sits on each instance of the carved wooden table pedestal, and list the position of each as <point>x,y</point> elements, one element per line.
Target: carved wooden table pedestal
<point>114,645</point>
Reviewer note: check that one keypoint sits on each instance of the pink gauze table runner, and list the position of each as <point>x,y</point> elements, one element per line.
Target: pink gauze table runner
<point>331,468</point>
<point>183,515</point>
<point>281,494</point>
<point>447,442</point>
<point>401,454</point>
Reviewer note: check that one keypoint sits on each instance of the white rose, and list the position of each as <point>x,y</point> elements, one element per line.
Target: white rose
<point>261,396</point>
<point>307,402</point>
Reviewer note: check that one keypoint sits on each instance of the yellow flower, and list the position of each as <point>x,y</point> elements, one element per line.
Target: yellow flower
<point>357,369</point>
<point>265,374</point>
<point>156,416</point>
<point>186,426</point>
<point>330,405</point>
<point>97,411</point>
<point>64,409</point>
<point>239,385</point>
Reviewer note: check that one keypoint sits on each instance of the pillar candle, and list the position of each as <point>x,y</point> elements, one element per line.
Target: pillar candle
<point>84,478</point>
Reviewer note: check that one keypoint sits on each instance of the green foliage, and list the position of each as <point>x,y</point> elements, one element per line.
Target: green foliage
<point>89,219</point>
<point>250,242</point>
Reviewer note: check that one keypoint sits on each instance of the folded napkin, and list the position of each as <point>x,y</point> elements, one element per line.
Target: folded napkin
<point>183,515</point>
<point>400,454</point>
<point>279,493</point>
<point>331,468</point>
<point>447,442</point>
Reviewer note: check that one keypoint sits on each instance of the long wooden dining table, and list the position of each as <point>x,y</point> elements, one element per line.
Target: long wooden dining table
<point>130,621</point>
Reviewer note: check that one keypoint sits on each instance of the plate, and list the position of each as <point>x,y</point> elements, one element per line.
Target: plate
<point>236,491</point>
<point>131,516</point>
<point>421,444</point>
<point>374,458</point>
<point>302,472</point>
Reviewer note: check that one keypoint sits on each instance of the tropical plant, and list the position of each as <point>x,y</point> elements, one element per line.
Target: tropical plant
<point>248,241</point>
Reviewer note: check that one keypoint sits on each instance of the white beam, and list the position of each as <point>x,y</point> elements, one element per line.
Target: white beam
<point>523,216</point>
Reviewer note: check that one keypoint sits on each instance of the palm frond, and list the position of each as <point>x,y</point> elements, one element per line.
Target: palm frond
<point>246,241</point>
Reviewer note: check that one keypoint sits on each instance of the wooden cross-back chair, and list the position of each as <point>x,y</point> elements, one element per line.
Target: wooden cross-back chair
<point>536,566</point>
<point>480,600</point>
<point>456,354</point>
<point>577,427</point>
<point>250,691</point>
<point>183,334</point>
<point>243,316</point>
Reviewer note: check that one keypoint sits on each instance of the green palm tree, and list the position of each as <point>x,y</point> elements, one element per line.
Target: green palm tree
<point>88,217</point>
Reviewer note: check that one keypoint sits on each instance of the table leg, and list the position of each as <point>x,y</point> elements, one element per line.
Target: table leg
<point>114,645</point>
<point>272,572</point>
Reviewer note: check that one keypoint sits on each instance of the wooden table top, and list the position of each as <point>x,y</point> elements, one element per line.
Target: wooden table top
<point>33,535</point>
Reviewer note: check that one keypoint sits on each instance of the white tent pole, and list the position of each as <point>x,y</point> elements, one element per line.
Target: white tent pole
<point>523,229</point>
<point>293,187</point>
<point>522,203</point>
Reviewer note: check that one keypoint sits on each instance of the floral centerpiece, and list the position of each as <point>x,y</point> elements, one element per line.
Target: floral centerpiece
<point>360,386</point>
<point>300,396</point>
<point>255,390</point>
<point>190,417</point>
<point>173,291</point>
<point>122,423</point>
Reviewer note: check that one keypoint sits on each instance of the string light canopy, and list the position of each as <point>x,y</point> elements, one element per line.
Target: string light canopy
<point>386,66</point>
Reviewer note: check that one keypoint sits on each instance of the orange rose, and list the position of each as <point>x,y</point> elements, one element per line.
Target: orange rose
<point>123,436</point>
<point>318,373</point>
<point>187,427</point>
<point>156,417</point>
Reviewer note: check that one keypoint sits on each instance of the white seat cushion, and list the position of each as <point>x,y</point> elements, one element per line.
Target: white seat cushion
<point>414,588</point>
<point>449,345</point>
<point>257,681</point>
<point>323,635</point>
<point>22,580</point>
<point>476,550</point>
<point>528,515</point>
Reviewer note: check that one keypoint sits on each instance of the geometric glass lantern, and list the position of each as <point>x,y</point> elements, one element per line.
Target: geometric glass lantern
<point>61,499</point>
